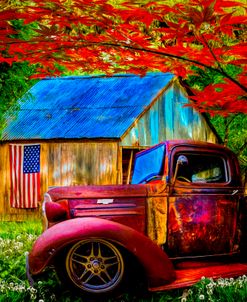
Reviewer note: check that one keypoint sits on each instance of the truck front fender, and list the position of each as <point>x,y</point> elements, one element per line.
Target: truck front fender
<point>157,266</point>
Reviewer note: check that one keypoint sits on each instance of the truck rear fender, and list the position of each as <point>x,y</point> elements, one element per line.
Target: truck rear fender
<point>157,266</point>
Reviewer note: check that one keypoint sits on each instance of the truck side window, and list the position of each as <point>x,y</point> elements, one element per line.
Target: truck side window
<point>202,168</point>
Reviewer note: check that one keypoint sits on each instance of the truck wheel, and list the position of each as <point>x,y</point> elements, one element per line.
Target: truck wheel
<point>94,266</point>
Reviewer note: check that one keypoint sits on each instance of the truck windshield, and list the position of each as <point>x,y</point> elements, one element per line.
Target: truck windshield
<point>148,164</point>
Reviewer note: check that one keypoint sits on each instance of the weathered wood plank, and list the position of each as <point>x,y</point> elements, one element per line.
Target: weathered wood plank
<point>62,163</point>
<point>166,119</point>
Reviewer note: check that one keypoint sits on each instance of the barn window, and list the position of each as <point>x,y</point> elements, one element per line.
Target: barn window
<point>128,156</point>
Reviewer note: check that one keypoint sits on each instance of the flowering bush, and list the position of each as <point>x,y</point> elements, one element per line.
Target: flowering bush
<point>221,290</point>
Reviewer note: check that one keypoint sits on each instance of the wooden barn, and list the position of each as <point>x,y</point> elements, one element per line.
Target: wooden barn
<point>86,130</point>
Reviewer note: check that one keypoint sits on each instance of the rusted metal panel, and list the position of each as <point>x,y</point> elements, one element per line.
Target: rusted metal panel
<point>157,213</point>
<point>204,212</point>
<point>97,191</point>
<point>128,211</point>
<point>202,225</point>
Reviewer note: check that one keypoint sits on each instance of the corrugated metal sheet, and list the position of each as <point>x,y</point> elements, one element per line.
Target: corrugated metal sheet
<point>84,107</point>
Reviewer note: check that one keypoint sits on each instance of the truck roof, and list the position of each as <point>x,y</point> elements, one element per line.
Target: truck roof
<point>170,144</point>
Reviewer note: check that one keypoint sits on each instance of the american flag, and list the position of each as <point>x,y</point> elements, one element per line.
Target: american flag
<point>24,175</point>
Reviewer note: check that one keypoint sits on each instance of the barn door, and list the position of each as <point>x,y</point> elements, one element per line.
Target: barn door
<point>128,156</point>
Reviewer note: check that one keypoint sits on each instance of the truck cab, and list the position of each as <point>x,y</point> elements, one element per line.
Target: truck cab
<point>181,218</point>
<point>203,196</point>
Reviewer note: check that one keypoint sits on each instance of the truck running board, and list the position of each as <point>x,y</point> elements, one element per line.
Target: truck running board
<point>189,276</point>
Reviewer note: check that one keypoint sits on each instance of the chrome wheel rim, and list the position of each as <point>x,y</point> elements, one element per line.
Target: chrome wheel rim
<point>95,265</point>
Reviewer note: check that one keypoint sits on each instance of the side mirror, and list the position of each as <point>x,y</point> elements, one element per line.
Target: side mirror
<point>181,161</point>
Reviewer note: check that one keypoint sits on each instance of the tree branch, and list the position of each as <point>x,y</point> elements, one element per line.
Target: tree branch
<point>176,57</point>
<point>139,49</point>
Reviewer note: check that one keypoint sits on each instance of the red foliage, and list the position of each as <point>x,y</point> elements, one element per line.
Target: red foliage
<point>93,34</point>
<point>220,99</point>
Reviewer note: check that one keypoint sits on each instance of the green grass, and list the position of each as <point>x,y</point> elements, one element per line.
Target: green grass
<point>16,240</point>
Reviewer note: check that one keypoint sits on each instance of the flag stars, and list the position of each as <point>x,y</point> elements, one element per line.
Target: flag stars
<point>31,162</point>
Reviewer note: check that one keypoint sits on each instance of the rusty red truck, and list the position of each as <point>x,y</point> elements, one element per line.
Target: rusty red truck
<point>182,217</point>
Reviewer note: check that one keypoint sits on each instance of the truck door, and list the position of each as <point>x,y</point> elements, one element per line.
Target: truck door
<point>203,204</point>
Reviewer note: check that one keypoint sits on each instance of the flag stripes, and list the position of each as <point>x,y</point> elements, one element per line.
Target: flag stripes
<point>24,175</point>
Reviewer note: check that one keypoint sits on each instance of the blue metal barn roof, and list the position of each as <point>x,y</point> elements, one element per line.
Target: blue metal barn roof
<point>84,107</point>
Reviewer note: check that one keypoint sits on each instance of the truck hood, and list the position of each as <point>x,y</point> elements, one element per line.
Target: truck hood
<point>124,204</point>
<point>99,192</point>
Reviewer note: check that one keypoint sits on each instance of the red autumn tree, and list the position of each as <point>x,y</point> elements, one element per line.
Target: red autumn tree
<point>136,36</point>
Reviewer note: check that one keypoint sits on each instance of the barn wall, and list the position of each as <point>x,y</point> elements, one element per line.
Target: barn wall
<point>168,119</point>
<point>74,163</point>
<point>62,163</point>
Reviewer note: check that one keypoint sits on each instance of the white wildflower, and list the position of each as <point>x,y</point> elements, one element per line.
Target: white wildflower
<point>33,290</point>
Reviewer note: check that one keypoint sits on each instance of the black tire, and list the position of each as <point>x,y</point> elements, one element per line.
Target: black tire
<point>94,267</point>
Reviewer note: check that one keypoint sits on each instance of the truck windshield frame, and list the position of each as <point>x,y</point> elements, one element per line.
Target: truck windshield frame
<point>149,164</point>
